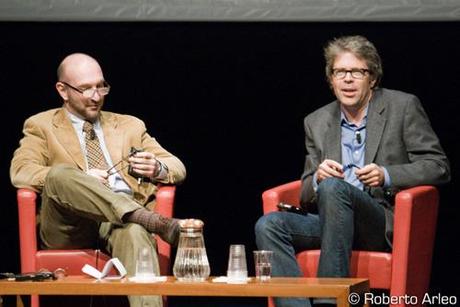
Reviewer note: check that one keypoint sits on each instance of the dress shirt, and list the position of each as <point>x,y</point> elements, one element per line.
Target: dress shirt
<point>116,182</point>
<point>353,144</point>
<point>353,148</point>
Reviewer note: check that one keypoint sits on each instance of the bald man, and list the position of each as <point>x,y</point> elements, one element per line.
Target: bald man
<point>88,200</point>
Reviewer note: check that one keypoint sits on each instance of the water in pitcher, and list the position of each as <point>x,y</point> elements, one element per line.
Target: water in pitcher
<point>191,264</point>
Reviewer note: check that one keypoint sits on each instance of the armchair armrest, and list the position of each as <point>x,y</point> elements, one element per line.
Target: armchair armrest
<point>287,193</point>
<point>164,206</point>
<point>416,211</point>
<point>27,228</point>
<point>165,200</point>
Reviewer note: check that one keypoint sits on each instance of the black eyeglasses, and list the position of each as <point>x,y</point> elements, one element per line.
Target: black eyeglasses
<point>357,73</point>
<point>89,92</point>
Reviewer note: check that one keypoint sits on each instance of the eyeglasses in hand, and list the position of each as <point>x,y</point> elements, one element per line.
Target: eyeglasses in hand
<point>115,168</point>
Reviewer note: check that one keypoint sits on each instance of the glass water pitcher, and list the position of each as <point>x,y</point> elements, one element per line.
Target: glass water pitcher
<point>191,264</point>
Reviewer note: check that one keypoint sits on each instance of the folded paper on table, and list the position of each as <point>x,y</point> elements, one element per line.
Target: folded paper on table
<point>114,262</point>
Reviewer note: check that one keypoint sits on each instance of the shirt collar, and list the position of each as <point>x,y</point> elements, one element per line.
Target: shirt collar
<point>344,120</point>
<point>79,121</point>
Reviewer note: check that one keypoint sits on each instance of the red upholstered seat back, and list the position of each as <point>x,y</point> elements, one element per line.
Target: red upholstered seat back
<point>404,271</point>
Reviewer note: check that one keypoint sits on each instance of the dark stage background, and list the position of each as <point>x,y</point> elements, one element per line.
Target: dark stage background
<point>228,99</point>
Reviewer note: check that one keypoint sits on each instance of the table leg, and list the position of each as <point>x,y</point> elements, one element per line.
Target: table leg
<point>19,302</point>
<point>342,299</point>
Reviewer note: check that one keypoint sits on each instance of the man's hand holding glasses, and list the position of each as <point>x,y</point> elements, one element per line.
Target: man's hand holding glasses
<point>142,165</point>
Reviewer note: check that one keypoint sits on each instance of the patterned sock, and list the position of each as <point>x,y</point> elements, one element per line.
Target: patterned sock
<point>167,228</point>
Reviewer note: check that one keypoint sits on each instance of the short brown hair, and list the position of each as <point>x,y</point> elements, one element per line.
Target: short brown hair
<point>361,47</point>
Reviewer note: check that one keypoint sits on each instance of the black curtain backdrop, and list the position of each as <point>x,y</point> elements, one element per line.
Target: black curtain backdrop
<point>229,100</point>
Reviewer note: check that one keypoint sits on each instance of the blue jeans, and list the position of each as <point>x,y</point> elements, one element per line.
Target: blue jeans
<point>348,218</point>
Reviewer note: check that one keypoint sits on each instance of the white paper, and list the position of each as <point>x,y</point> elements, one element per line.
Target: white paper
<point>114,262</point>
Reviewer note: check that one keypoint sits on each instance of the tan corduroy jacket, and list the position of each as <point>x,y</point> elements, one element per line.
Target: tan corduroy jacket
<point>50,139</point>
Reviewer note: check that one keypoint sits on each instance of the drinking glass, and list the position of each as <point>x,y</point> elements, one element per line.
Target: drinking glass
<point>237,268</point>
<point>263,264</point>
<point>144,264</point>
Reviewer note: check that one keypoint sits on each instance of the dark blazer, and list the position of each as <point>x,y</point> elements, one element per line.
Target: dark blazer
<point>398,136</point>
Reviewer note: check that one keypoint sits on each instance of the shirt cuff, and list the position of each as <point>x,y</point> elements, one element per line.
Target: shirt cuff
<point>387,182</point>
<point>314,182</point>
<point>163,173</point>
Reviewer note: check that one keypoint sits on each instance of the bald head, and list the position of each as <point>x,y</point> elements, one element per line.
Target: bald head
<point>74,65</point>
<point>76,74</point>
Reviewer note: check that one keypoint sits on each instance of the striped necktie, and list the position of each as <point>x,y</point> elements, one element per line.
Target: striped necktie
<point>94,155</point>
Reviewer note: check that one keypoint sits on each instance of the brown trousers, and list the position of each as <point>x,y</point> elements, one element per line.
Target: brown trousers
<point>80,212</point>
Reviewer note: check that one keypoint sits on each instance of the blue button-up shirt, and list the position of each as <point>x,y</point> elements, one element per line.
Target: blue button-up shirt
<point>353,144</point>
<point>353,148</point>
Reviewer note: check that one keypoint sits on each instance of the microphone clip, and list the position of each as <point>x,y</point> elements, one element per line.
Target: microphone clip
<point>358,137</point>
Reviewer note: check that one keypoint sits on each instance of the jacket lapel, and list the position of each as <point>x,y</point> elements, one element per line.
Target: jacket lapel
<point>333,141</point>
<point>113,136</point>
<point>375,125</point>
<point>117,145</point>
<point>66,135</point>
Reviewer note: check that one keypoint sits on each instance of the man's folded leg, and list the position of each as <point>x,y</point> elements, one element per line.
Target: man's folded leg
<point>124,242</point>
<point>74,203</point>
<point>167,228</point>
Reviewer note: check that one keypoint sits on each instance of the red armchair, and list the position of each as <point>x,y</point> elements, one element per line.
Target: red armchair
<point>33,259</point>
<point>404,271</point>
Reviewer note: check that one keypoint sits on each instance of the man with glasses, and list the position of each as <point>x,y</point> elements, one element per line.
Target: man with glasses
<point>96,190</point>
<point>361,149</point>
